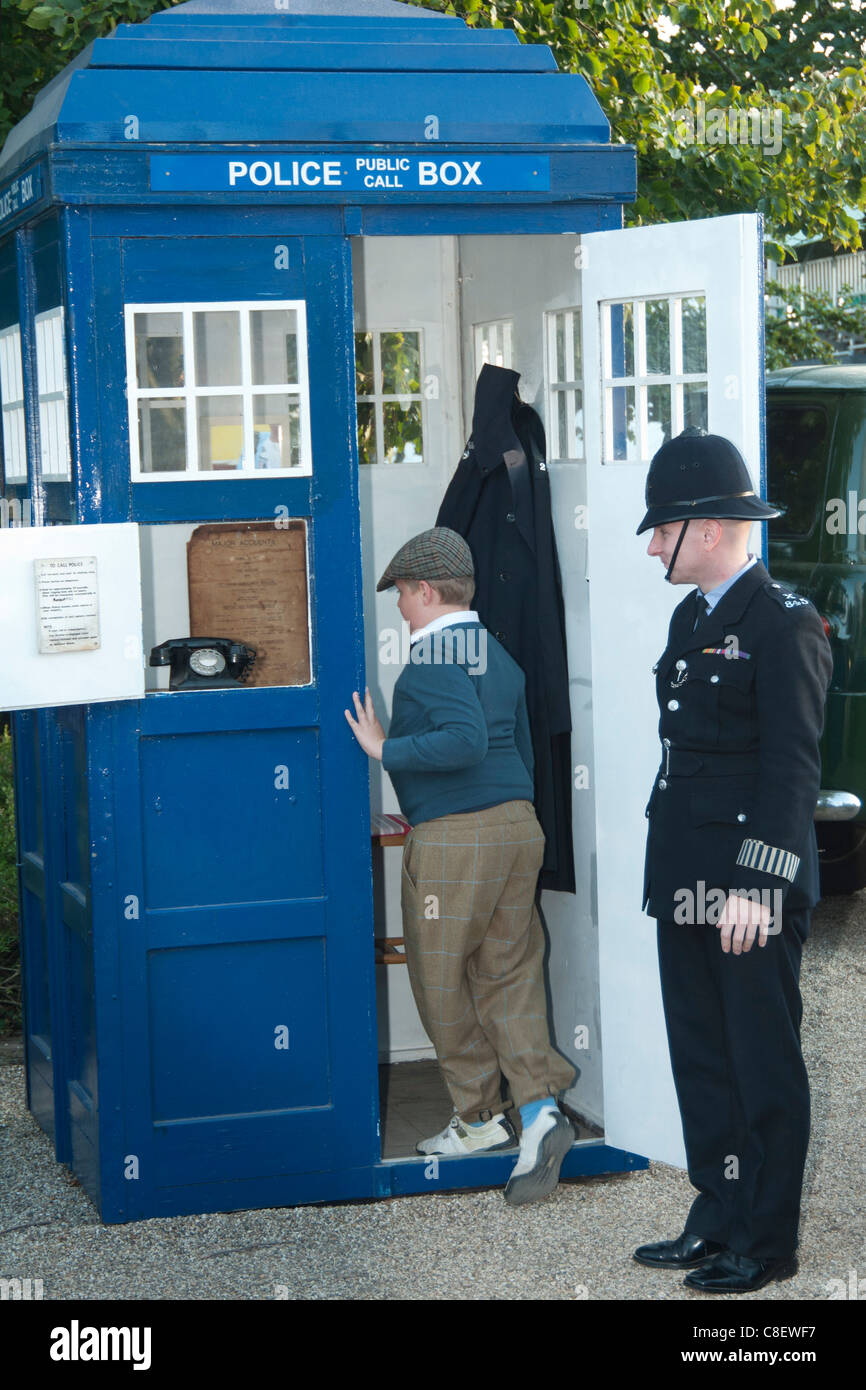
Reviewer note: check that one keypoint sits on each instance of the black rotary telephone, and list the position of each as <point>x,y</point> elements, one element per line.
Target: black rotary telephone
<point>204,663</point>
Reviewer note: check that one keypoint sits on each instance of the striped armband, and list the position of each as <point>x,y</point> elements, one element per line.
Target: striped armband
<point>755,854</point>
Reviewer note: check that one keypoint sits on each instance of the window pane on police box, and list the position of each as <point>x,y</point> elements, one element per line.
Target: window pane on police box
<point>367,448</point>
<point>159,350</point>
<point>401,364</point>
<point>694,334</point>
<point>624,444</point>
<point>622,340</point>
<point>402,425</point>
<point>217,335</point>
<point>695,404</point>
<point>162,436</point>
<point>560,370</point>
<point>364,385</point>
<point>274,343</point>
<point>658,399</point>
<point>575,448</point>
<point>220,433</point>
<point>658,337</point>
<point>278,431</point>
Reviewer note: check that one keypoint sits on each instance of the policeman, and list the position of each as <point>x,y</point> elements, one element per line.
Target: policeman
<point>732,864</point>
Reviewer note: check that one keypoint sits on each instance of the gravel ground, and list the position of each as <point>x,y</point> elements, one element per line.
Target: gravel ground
<point>575,1245</point>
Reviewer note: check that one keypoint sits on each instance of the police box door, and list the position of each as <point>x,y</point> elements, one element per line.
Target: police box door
<point>621,338</point>
<point>672,337</point>
<point>243,871</point>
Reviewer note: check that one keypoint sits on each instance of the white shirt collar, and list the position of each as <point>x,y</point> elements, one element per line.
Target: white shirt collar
<point>465,615</point>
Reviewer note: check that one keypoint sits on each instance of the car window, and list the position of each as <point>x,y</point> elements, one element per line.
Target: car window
<point>798,439</point>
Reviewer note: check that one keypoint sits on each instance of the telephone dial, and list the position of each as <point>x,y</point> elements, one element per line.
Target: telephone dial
<point>204,663</point>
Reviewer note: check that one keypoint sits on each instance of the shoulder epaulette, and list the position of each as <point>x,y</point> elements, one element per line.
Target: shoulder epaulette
<point>786,598</point>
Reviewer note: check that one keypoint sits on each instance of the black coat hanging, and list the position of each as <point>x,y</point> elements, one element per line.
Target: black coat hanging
<point>499,501</point>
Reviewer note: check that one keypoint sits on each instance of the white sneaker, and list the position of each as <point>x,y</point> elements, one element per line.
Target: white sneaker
<point>543,1146</point>
<point>459,1138</point>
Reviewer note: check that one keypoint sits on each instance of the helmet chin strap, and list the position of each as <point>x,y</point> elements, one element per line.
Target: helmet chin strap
<point>680,540</point>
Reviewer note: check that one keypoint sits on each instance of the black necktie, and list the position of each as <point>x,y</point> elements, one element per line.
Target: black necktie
<point>703,609</point>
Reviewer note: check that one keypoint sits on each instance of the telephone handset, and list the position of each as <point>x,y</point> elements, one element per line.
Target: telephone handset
<point>204,663</point>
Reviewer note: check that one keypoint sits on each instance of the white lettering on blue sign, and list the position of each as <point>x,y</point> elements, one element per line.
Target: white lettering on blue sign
<point>352,170</point>
<point>20,193</point>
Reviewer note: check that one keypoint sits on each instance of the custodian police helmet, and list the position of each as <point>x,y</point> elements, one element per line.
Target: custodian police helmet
<point>698,476</point>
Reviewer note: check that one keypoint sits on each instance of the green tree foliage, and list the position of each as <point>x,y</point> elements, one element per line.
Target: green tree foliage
<point>39,37</point>
<point>814,323</point>
<point>651,63</point>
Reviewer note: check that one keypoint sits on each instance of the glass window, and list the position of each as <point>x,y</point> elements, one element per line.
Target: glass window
<point>493,344</point>
<point>12,397</point>
<point>798,437</point>
<point>388,375</point>
<point>217,389</point>
<point>564,384</point>
<point>53,396</point>
<point>655,373</point>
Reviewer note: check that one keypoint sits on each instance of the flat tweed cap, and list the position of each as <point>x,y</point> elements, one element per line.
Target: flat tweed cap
<point>436,554</point>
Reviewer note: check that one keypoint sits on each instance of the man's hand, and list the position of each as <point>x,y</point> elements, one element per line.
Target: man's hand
<point>741,919</point>
<point>366,728</point>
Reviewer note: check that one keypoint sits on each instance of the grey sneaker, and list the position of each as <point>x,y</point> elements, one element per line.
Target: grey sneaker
<point>543,1146</point>
<point>459,1138</point>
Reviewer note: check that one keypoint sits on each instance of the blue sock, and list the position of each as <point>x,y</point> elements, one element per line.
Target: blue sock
<point>533,1109</point>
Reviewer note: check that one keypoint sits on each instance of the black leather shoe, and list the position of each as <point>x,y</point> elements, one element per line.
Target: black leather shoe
<point>730,1273</point>
<point>684,1252</point>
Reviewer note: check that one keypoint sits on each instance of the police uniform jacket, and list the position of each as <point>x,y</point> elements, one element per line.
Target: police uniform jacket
<point>741,699</point>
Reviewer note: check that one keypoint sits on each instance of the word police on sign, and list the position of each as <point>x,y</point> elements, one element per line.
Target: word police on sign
<point>20,193</point>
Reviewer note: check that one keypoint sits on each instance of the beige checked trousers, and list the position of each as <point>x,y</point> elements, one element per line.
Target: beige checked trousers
<point>475,949</point>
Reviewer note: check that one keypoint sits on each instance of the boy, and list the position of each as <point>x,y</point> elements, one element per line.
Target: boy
<point>460,758</point>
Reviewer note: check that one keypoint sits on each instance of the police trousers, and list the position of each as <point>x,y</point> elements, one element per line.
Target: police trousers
<point>733,1025</point>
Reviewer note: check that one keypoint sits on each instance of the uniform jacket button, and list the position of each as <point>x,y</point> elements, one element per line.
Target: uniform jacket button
<point>673,704</point>
<point>503,576</point>
<point>682,665</point>
<point>662,784</point>
<point>510,516</point>
<point>742,817</point>
<point>714,680</point>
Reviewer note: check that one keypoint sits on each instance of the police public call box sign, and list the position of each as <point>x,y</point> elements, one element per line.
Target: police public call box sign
<point>356,170</point>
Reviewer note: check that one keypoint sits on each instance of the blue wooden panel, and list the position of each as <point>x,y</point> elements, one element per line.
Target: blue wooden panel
<point>218,107</point>
<point>218,830</point>
<point>339,56</point>
<point>238,1029</point>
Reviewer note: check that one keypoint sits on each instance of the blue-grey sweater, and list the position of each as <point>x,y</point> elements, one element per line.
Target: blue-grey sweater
<point>459,738</point>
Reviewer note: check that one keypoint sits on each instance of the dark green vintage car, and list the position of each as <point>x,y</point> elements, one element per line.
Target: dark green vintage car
<point>816,471</point>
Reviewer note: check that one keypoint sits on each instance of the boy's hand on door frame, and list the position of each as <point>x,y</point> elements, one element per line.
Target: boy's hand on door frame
<point>366,728</point>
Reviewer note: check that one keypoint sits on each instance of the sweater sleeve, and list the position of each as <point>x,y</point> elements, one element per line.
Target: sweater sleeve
<point>457,734</point>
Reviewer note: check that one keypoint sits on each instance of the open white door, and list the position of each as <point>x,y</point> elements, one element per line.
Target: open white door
<point>672,336</point>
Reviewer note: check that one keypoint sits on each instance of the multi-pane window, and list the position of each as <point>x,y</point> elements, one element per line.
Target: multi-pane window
<point>654,353</point>
<point>564,384</point>
<point>493,344</point>
<point>388,374</point>
<point>12,397</point>
<point>53,395</point>
<point>217,389</point>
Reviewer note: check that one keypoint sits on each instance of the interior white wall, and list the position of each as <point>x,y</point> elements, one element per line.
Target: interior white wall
<point>522,277</point>
<point>164,592</point>
<point>406,283</point>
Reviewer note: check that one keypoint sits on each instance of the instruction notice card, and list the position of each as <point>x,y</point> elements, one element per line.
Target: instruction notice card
<point>67,604</point>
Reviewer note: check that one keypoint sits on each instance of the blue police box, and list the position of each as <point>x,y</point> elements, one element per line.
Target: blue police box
<point>250,265</point>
